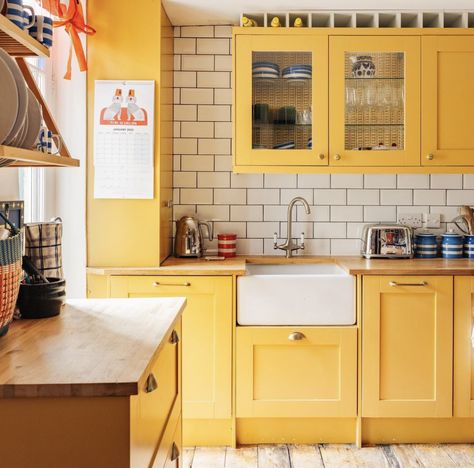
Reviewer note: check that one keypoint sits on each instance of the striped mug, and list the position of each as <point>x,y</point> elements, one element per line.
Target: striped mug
<point>469,246</point>
<point>16,12</point>
<point>42,30</point>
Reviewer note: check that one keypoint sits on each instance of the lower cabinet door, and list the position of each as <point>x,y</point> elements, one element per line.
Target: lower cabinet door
<point>407,346</point>
<point>464,346</point>
<point>296,372</point>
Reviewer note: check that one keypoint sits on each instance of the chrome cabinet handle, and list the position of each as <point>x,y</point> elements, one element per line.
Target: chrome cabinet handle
<point>337,157</point>
<point>157,283</point>
<point>430,157</point>
<point>174,338</point>
<point>296,336</point>
<point>321,156</point>
<point>394,283</point>
<point>151,384</point>
<point>174,452</point>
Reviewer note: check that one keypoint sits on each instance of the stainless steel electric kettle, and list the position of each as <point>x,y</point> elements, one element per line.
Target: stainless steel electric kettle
<point>188,241</point>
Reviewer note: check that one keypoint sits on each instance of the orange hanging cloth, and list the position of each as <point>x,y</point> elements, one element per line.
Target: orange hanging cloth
<point>71,16</point>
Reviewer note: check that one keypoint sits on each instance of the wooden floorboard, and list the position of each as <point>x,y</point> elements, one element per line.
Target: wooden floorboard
<point>331,456</point>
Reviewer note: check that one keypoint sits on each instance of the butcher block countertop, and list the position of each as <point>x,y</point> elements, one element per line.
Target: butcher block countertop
<point>95,347</point>
<point>354,265</point>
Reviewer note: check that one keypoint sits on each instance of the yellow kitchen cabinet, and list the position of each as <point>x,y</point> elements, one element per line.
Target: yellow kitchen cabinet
<point>273,108</point>
<point>294,372</point>
<point>447,101</point>
<point>207,337</point>
<point>463,347</point>
<point>375,101</point>
<point>407,329</point>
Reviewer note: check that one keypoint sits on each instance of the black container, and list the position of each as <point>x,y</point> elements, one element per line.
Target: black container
<point>43,299</point>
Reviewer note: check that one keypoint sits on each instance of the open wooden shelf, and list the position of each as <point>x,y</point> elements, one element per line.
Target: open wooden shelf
<point>18,42</point>
<point>28,158</point>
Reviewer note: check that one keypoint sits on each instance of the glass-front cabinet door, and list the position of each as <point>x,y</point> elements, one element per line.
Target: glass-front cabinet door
<point>374,101</point>
<point>281,105</point>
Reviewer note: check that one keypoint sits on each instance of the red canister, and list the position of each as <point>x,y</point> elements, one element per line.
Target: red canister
<point>226,245</point>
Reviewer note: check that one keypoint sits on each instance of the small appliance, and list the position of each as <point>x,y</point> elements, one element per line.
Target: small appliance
<point>387,241</point>
<point>189,237</point>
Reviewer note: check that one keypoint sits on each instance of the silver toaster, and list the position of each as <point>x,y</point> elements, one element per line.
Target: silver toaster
<point>387,241</point>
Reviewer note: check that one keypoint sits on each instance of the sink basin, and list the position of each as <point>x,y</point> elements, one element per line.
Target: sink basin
<point>296,294</point>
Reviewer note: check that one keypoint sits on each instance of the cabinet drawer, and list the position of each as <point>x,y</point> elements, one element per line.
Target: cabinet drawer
<point>151,286</point>
<point>170,451</point>
<point>296,372</point>
<point>152,408</point>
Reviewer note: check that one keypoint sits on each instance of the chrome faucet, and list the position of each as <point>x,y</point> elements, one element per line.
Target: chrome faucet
<point>289,246</point>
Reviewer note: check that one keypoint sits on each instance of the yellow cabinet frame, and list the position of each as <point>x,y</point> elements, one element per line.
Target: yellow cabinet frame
<point>313,377</point>
<point>244,155</point>
<point>463,348</point>
<point>409,156</point>
<point>407,329</point>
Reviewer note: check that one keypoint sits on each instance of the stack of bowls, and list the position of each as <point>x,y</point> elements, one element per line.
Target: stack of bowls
<point>425,245</point>
<point>297,74</point>
<point>265,71</point>
<point>287,145</point>
<point>452,245</point>
<point>469,246</point>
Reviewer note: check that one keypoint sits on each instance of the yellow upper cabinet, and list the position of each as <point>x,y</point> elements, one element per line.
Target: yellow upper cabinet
<point>407,327</point>
<point>375,101</point>
<point>464,347</point>
<point>448,101</point>
<point>281,106</point>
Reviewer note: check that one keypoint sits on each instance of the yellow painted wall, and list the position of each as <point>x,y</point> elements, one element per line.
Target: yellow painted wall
<point>130,44</point>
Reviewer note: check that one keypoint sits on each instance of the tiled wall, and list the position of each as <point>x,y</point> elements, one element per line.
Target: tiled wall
<point>254,205</point>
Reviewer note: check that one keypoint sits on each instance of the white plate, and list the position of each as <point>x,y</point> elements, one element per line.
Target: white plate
<point>21,134</point>
<point>22,97</point>
<point>8,100</point>
<point>34,121</point>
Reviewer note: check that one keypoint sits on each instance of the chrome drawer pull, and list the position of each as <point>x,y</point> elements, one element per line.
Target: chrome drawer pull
<point>296,336</point>
<point>174,339</point>
<point>151,384</point>
<point>174,452</point>
<point>156,283</point>
<point>394,283</point>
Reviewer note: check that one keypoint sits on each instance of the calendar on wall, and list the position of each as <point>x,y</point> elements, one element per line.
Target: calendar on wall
<point>124,139</point>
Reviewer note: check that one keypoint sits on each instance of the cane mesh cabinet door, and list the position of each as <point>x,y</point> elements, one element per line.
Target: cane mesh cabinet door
<point>407,342</point>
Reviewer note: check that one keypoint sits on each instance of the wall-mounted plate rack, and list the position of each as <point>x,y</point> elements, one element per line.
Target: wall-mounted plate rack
<point>367,19</point>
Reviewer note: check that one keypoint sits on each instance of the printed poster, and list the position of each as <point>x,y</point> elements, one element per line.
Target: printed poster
<point>124,139</point>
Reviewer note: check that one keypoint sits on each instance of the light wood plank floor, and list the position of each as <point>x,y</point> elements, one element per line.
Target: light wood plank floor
<point>330,456</point>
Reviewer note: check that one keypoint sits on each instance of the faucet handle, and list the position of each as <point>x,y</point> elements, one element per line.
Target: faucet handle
<point>302,241</point>
<point>275,238</point>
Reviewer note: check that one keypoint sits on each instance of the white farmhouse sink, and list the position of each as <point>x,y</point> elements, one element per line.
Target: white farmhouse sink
<point>296,294</point>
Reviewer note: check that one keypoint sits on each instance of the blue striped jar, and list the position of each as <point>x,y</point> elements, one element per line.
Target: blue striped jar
<point>426,245</point>
<point>452,245</point>
<point>469,246</point>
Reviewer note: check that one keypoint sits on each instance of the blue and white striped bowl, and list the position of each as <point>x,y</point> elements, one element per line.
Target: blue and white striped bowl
<point>309,144</point>
<point>286,145</point>
<point>271,65</point>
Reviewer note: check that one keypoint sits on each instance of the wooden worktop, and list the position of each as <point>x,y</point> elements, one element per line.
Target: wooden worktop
<point>95,347</point>
<point>354,265</point>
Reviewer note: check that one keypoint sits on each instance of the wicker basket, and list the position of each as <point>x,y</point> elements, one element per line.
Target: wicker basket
<point>11,250</point>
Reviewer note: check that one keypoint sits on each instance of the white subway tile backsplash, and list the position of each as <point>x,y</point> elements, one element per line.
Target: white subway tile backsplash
<point>413,181</point>
<point>429,197</point>
<point>230,196</point>
<point>380,214</point>
<point>246,213</point>
<point>347,180</point>
<point>255,205</point>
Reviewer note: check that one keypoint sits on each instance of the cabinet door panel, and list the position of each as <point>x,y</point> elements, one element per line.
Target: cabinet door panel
<point>278,83</point>
<point>447,101</point>
<point>375,101</point>
<point>407,346</point>
<point>278,377</point>
<point>207,336</point>
<point>464,347</point>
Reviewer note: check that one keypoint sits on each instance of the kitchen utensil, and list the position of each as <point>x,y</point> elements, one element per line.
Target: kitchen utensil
<point>42,300</point>
<point>8,100</point>
<point>426,245</point>
<point>260,113</point>
<point>34,121</point>
<point>468,215</point>
<point>33,272</point>
<point>15,12</point>
<point>452,245</point>
<point>387,241</point>
<point>22,96</point>
<point>46,140</point>
<point>286,115</point>
<point>189,237</point>
<point>304,117</point>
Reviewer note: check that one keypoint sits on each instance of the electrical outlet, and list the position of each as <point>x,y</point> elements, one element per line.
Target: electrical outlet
<point>414,220</point>
<point>431,220</point>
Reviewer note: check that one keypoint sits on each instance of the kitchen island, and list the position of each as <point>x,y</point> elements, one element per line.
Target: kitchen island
<point>97,386</point>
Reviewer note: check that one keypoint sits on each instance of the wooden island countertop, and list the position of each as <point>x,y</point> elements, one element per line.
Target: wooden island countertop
<point>95,347</point>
